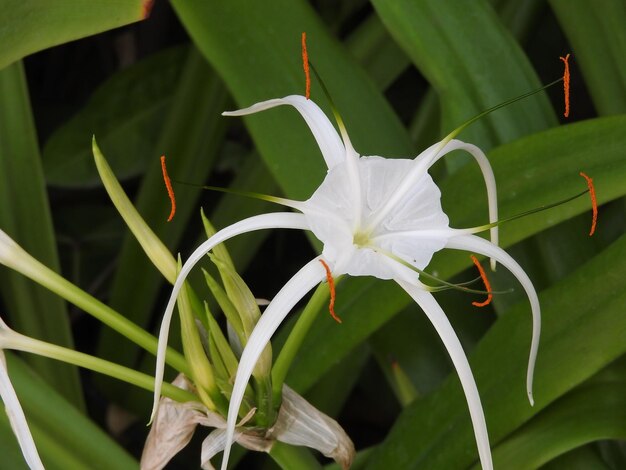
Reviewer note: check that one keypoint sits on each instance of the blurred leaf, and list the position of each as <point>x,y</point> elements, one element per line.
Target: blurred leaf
<point>582,458</point>
<point>583,330</point>
<point>597,35</point>
<point>376,51</point>
<point>473,62</point>
<point>125,114</point>
<point>228,34</point>
<point>587,414</point>
<point>529,173</point>
<point>64,437</point>
<point>28,26</point>
<point>25,216</point>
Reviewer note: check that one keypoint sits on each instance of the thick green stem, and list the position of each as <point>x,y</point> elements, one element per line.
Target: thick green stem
<point>43,275</point>
<point>16,341</point>
<point>290,457</point>
<point>296,337</point>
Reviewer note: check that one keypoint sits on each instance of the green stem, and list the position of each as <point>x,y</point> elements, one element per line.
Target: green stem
<point>43,275</point>
<point>290,457</point>
<point>19,342</point>
<point>296,337</point>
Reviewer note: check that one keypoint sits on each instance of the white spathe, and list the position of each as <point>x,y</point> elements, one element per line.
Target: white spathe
<point>374,216</point>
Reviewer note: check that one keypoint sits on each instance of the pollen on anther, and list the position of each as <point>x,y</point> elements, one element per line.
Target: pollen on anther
<point>566,84</point>
<point>594,202</point>
<point>331,288</point>
<point>170,190</point>
<point>483,276</point>
<point>305,66</point>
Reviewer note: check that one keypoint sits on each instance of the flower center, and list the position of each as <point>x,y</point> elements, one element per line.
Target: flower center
<point>361,239</point>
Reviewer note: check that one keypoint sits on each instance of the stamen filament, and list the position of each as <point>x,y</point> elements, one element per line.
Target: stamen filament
<point>458,130</point>
<point>170,190</point>
<point>566,84</point>
<point>594,202</point>
<point>445,284</point>
<point>305,66</point>
<point>482,228</point>
<point>483,276</point>
<point>331,288</point>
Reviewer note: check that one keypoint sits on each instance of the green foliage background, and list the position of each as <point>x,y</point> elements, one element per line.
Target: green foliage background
<point>403,73</point>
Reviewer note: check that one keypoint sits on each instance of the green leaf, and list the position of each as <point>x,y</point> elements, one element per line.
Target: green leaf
<point>28,26</point>
<point>25,216</point>
<point>587,414</point>
<point>229,36</point>
<point>126,113</point>
<point>597,35</point>
<point>582,332</point>
<point>582,458</point>
<point>473,63</point>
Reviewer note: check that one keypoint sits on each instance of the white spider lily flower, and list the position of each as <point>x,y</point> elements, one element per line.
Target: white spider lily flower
<point>298,423</point>
<point>376,217</point>
<point>14,411</point>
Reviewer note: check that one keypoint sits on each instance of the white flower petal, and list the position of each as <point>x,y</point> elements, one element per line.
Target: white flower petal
<point>484,247</point>
<point>302,282</point>
<point>18,422</point>
<point>259,222</point>
<point>325,134</point>
<point>439,320</point>
<point>490,182</point>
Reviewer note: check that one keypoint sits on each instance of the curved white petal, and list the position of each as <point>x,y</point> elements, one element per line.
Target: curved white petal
<point>258,222</point>
<point>490,182</point>
<point>439,320</point>
<point>297,287</point>
<point>484,247</point>
<point>325,134</point>
<point>17,419</point>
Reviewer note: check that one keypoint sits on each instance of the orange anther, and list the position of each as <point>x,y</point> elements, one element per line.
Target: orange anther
<point>170,190</point>
<point>483,276</point>
<point>331,287</point>
<point>566,84</point>
<point>146,8</point>
<point>305,66</point>
<point>594,202</point>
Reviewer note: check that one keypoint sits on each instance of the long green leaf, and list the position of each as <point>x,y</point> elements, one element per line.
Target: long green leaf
<point>25,216</point>
<point>588,414</point>
<point>473,62</point>
<point>28,26</point>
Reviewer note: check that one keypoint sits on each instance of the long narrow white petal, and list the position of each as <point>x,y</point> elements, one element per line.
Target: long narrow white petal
<point>483,247</point>
<point>439,320</point>
<point>258,222</point>
<point>302,282</point>
<point>490,182</point>
<point>325,134</point>
<point>17,419</point>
